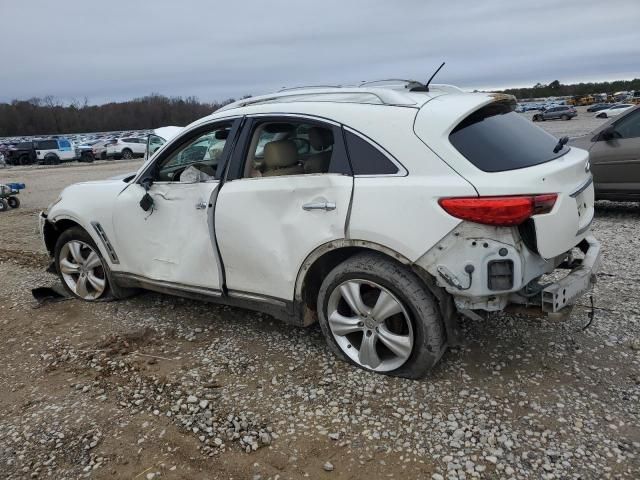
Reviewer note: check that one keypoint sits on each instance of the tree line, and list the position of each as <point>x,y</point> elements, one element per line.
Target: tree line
<point>49,116</point>
<point>557,89</point>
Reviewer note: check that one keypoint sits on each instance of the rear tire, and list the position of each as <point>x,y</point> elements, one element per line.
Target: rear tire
<point>398,329</point>
<point>127,154</point>
<point>13,202</point>
<point>4,206</point>
<point>565,117</point>
<point>51,159</point>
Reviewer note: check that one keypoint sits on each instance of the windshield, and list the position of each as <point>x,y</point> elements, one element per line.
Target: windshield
<point>496,139</point>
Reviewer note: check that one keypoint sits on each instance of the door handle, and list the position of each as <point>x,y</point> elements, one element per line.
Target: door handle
<point>327,206</point>
<point>201,205</point>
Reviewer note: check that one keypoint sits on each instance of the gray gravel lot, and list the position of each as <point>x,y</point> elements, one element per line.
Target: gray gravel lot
<point>162,387</point>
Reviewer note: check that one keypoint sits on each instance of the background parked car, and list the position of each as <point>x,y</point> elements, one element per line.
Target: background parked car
<point>598,106</point>
<point>126,148</point>
<point>615,110</point>
<point>99,150</point>
<point>85,153</point>
<point>560,112</point>
<point>55,150</point>
<point>614,150</point>
<point>24,153</point>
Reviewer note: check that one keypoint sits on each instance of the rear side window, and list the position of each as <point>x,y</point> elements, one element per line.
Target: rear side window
<point>367,159</point>
<point>496,139</point>
<point>47,145</point>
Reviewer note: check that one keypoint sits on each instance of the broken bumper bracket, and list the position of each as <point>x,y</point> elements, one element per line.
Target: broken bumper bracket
<point>564,292</point>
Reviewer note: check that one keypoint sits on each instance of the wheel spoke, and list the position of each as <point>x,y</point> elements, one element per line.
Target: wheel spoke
<point>68,267</point>
<point>81,287</point>
<point>351,293</point>
<point>74,248</point>
<point>97,283</point>
<point>400,345</point>
<point>385,307</point>
<point>92,261</point>
<point>368,355</point>
<point>341,325</point>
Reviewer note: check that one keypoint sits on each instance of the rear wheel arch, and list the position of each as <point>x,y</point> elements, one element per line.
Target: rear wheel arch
<point>324,259</point>
<point>328,256</point>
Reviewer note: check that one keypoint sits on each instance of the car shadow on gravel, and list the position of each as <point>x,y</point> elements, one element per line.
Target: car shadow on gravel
<point>608,209</point>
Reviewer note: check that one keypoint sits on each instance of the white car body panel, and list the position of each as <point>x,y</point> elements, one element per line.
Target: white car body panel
<point>264,234</point>
<point>613,112</point>
<point>558,229</point>
<point>174,242</point>
<point>168,132</point>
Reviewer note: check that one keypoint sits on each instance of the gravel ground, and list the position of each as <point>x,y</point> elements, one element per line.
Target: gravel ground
<point>162,387</point>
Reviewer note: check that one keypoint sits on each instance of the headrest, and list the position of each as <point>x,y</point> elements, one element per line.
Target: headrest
<point>280,153</point>
<point>320,138</point>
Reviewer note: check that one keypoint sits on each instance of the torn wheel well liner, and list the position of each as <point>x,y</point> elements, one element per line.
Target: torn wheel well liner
<point>52,230</point>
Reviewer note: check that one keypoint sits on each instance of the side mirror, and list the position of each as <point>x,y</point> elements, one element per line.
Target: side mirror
<point>609,133</point>
<point>146,203</point>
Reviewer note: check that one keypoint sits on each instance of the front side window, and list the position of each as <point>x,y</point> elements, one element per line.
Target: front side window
<point>629,126</point>
<point>279,148</point>
<point>197,160</point>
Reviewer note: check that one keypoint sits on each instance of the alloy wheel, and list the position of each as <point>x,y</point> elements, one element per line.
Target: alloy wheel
<point>82,270</point>
<point>370,325</point>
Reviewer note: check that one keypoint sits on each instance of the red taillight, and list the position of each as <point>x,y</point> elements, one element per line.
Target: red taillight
<point>499,211</point>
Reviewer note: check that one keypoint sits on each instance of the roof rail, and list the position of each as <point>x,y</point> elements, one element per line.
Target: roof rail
<point>403,81</point>
<point>382,96</point>
<point>303,87</point>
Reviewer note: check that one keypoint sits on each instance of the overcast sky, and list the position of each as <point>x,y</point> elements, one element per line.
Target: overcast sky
<point>116,50</point>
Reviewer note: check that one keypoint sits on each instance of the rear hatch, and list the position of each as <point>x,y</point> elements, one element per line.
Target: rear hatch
<point>502,153</point>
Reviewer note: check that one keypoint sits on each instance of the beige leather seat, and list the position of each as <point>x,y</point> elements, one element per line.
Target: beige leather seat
<point>320,139</point>
<point>281,158</point>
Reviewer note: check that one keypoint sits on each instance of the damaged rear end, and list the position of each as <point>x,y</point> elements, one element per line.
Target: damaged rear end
<point>524,238</point>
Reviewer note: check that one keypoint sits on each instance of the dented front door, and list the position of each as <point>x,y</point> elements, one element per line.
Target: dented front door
<point>173,242</point>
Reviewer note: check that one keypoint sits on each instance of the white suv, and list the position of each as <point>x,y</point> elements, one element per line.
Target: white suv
<point>379,211</point>
<point>127,148</point>
<point>55,150</point>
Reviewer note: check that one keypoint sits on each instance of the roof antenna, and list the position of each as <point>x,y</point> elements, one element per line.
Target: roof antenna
<point>425,87</point>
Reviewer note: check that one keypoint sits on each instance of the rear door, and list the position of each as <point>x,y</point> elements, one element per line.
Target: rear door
<point>287,192</point>
<point>616,162</point>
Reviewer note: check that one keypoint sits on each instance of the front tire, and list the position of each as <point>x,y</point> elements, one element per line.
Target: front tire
<point>13,202</point>
<point>81,268</point>
<point>378,315</point>
<point>4,206</point>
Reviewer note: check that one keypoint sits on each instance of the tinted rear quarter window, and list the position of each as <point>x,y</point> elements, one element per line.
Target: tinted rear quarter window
<point>47,145</point>
<point>496,139</point>
<point>365,158</point>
